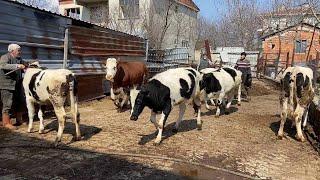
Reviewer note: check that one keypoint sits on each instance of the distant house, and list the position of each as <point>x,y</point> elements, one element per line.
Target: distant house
<point>291,44</point>
<point>283,17</point>
<point>134,16</point>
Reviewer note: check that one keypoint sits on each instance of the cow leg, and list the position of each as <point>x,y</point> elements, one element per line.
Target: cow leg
<point>153,119</point>
<point>197,108</point>
<point>220,104</point>
<point>206,99</point>
<point>298,118</point>
<point>112,96</point>
<point>230,99</point>
<point>239,95</point>
<point>61,115</point>
<point>284,115</point>
<point>40,116</point>
<point>305,119</point>
<point>162,122</point>
<point>30,106</point>
<point>133,95</point>
<point>182,109</point>
<point>76,121</point>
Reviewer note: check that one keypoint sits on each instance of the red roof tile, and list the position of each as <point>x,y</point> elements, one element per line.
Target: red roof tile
<point>190,4</point>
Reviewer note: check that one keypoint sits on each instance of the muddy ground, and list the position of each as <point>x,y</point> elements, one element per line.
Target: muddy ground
<point>243,144</point>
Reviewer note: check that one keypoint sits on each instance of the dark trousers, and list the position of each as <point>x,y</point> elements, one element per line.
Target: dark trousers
<point>13,100</point>
<point>6,99</point>
<point>246,80</point>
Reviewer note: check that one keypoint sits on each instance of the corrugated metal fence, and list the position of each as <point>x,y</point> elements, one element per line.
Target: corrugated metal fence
<point>161,60</point>
<point>58,41</point>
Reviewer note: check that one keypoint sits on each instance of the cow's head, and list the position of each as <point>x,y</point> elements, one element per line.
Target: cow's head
<point>140,100</point>
<point>111,66</point>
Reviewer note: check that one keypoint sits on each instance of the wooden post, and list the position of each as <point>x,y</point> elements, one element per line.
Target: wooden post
<point>314,30</point>
<point>287,62</point>
<point>207,47</point>
<point>65,49</point>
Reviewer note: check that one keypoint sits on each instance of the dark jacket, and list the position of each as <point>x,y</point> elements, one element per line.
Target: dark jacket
<point>7,64</point>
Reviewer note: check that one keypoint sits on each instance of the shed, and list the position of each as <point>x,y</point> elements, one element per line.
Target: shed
<point>62,42</point>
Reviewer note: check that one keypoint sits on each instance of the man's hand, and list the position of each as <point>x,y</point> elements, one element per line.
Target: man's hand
<point>21,66</point>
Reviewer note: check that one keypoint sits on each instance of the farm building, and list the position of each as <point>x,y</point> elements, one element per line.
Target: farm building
<point>143,18</point>
<point>67,43</point>
<point>292,44</point>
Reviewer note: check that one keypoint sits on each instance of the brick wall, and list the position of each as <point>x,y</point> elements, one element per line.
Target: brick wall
<point>271,44</point>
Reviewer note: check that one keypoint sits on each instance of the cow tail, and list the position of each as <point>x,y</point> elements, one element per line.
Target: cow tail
<point>73,89</point>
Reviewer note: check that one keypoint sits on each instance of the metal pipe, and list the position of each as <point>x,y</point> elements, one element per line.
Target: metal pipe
<point>31,44</point>
<point>147,49</point>
<point>65,48</point>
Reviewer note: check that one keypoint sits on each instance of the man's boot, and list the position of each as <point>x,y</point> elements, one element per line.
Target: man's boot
<point>7,122</point>
<point>19,119</point>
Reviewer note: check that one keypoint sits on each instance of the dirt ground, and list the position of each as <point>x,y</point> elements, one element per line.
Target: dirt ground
<point>241,145</point>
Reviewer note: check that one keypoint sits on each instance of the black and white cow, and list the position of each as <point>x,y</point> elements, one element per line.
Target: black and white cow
<point>218,84</point>
<point>51,87</point>
<point>297,93</point>
<point>165,90</point>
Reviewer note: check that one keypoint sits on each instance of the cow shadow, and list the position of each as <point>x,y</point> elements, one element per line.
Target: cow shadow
<point>86,131</point>
<point>185,126</point>
<point>223,111</point>
<point>288,128</point>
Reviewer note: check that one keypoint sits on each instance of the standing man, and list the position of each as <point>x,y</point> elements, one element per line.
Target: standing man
<point>11,84</point>
<point>244,66</point>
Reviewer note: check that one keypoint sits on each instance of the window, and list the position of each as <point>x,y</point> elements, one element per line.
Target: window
<point>73,12</point>
<point>272,46</point>
<point>129,9</point>
<point>300,46</point>
<point>185,43</point>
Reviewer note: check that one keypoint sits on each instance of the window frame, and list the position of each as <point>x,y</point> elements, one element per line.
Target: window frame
<point>300,46</point>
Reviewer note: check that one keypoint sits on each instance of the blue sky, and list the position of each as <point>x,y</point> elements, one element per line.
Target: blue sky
<point>212,9</point>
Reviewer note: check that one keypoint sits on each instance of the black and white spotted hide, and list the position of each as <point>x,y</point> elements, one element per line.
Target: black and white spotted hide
<point>165,90</point>
<point>51,87</point>
<point>220,84</point>
<point>297,93</point>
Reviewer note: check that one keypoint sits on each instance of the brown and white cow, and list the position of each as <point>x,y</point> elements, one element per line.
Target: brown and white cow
<point>297,93</point>
<point>125,75</point>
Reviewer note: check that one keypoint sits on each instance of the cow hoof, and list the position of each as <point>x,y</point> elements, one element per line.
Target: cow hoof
<point>56,142</point>
<point>239,104</point>
<point>41,131</point>
<point>280,137</point>
<point>174,130</point>
<point>227,113</point>
<point>30,130</point>
<point>301,139</point>
<point>217,116</point>
<point>199,127</point>
<point>156,143</point>
<point>77,138</point>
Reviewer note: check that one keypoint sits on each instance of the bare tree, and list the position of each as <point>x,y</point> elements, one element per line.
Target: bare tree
<point>50,5</point>
<point>158,22</point>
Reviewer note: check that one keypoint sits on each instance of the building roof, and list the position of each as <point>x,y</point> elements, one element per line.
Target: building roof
<point>292,11</point>
<point>190,4</point>
<point>289,27</point>
<point>74,20</point>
